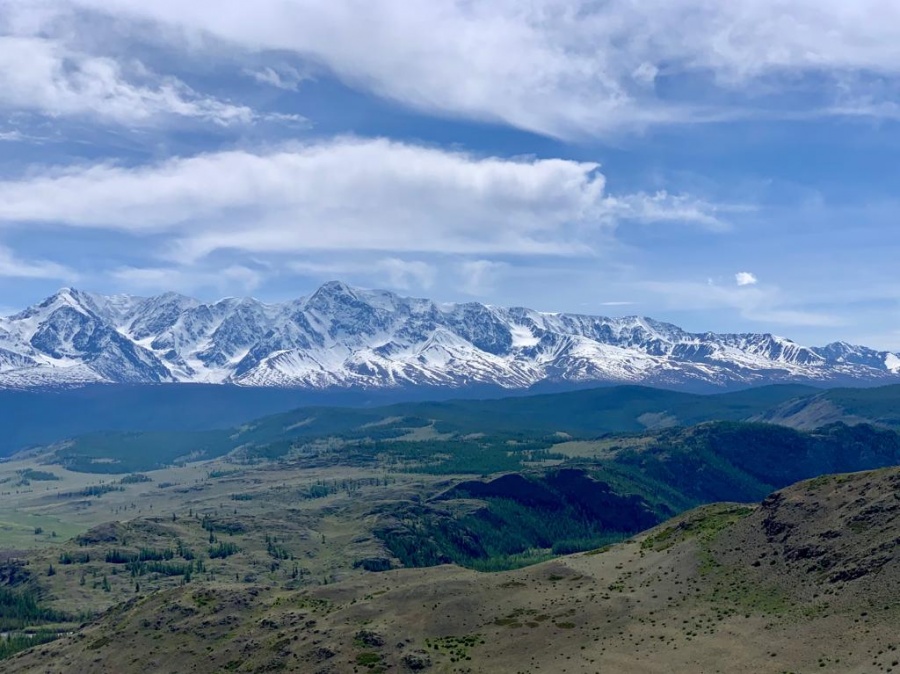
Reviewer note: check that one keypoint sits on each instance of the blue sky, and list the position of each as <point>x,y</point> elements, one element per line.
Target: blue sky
<point>725,166</point>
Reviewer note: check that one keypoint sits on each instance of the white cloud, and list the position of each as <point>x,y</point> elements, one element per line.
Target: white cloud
<point>234,278</point>
<point>12,137</point>
<point>764,305</point>
<point>664,207</point>
<point>280,77</point>
<point>44,76</point>
<point>392,272</point>
<point>579,66</point>
<point>480,277</point>
<point>745,278</point>
<point>342,194</point>
<point>11,266</point>
<point>407,274</point>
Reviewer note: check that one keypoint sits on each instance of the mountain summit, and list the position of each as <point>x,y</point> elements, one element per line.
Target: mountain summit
<point>340,336</point>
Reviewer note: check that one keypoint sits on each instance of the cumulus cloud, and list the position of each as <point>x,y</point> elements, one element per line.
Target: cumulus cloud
<point>580,67</point>
<point>745,278</point>
<point>44,76</point>
<point>342,194</point>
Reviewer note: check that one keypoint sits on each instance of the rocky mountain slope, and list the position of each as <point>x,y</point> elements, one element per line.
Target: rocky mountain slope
<point>341,337</point>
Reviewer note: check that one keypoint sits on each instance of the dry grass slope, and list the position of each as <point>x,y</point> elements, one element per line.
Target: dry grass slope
<point>807,581</point>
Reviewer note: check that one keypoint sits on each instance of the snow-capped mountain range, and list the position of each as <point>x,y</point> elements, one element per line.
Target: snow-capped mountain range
<point>341,336</point>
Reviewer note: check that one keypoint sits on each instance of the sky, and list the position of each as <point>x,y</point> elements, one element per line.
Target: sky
<point>726,166</point>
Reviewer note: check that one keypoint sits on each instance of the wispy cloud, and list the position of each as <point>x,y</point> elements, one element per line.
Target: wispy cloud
<point>44,76</point>
<point>280,77</point>
<point>480,277</point>
<point>232,278</point>
<point>761,304</point>
<point>407,274</point>
<point>581,67</point>
<point>394,272</point>
<point>12,266</point>
<point>664,207</point>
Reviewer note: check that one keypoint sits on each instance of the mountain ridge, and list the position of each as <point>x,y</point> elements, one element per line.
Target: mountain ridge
<point>342,337</point>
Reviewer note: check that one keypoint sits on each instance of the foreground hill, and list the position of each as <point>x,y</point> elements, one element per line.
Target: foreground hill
<point>343,337</point>
<point>807,581</point>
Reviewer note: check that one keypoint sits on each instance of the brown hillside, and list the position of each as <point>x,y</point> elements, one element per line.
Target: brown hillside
<point>807,581</point>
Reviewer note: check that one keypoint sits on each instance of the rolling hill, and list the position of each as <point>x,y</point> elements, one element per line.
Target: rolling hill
<point>806,581</point>
<point>42,417</point>
<point>170,411</point>
<point>880,406</point>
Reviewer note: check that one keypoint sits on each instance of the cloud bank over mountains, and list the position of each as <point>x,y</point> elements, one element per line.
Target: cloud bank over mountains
<point>493,149</point>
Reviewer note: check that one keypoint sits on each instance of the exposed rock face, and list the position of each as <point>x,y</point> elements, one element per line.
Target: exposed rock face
<point>369,638</point>
<point>417,660</point>
<point>827,531</point>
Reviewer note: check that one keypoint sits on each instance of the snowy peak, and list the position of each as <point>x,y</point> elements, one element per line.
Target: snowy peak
<point>842,352</point>
<point>155,315</point>
<point>341,336</point>
<point>71,337</point>
<point>66,298</point>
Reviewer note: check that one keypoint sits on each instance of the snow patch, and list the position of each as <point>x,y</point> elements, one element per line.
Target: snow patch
<point>522,336</point>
